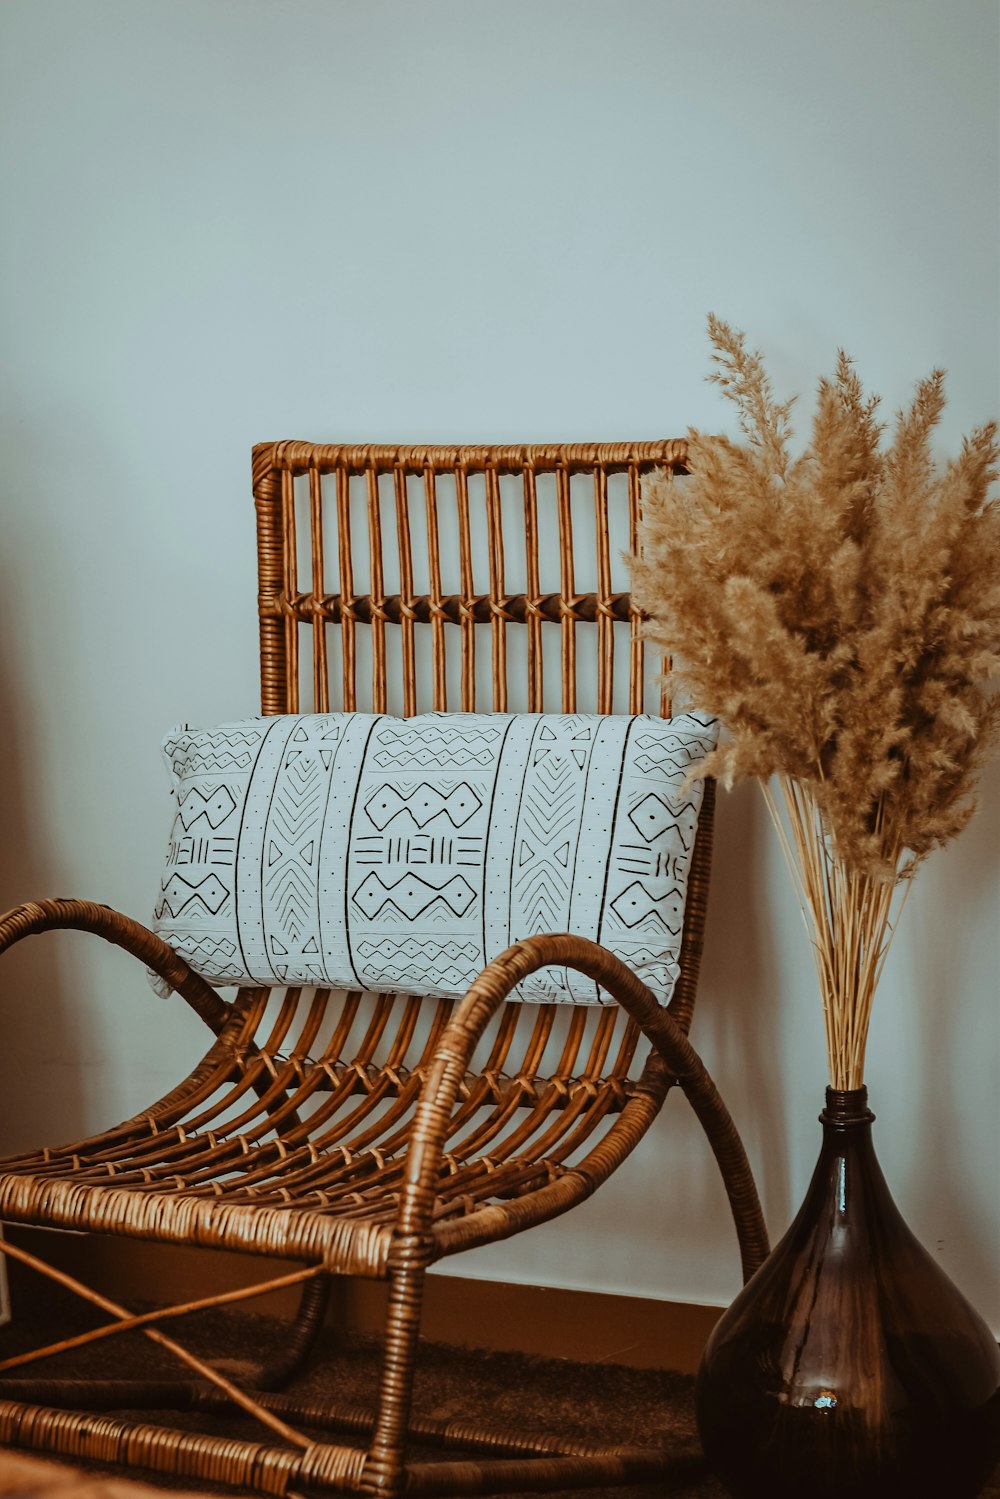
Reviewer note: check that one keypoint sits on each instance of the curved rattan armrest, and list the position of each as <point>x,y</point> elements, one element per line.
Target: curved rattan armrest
<point>82,915</point>
<point>465,1028</point>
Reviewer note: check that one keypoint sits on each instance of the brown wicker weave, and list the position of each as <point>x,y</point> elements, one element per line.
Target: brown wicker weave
<point>371,1136</point>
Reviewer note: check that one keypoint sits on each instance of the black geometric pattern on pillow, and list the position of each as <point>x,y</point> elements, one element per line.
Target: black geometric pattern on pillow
<point>367,852</point>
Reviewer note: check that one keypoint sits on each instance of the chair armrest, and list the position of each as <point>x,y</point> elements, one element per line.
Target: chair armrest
<point>439,1092</point>
<point>34,917</point>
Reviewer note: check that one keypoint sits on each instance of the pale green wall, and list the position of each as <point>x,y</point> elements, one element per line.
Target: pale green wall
<point>228,220</point>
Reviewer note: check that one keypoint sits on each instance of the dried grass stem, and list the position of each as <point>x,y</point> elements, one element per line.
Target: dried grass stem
<point>850,921</point>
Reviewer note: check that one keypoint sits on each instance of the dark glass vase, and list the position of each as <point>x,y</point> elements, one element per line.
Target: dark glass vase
<point>850,1367</point>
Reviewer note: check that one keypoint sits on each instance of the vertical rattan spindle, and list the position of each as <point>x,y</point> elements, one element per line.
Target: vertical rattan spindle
<point>637,650</point>
<point>271,572</point>
<point>567,589</point>
<point>467,601</point>
<point>533,602</point>
<point>290,589</point>
<point>605,611</point>
<point>498,622</point>
<point>321,679</point>
<point>377,586</point>
<point>666,703</point>
<point>406,603</point>
<point>438,663</point>
<point>347,604</point>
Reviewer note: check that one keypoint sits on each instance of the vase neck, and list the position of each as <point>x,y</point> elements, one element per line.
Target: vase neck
<point>846,1109</point>
<point>847,1180</point>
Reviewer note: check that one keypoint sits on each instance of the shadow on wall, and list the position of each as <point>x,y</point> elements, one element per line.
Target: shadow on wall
<point>949,986</point>
<point>37,1011</point>
<point>738,1017</point>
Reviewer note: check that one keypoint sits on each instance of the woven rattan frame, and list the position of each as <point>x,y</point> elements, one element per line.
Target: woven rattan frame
<point>368,1135</point>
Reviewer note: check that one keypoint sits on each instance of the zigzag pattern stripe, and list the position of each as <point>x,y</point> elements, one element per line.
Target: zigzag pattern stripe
<point>549,810</point>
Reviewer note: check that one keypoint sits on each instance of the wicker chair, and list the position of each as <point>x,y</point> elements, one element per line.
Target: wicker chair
<point>373,1135</point>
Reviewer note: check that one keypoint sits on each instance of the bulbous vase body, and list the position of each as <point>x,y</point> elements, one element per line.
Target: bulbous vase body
<point>850,1366</point>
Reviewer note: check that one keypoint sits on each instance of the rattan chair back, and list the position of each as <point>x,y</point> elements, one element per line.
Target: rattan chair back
<point>410,579</point>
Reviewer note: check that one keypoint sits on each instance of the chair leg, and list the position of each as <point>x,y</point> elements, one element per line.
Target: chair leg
<point>300,1337</point>
<point>384,1471</point>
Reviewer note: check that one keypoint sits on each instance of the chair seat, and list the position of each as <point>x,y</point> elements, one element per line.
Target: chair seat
<point>284,1153</point>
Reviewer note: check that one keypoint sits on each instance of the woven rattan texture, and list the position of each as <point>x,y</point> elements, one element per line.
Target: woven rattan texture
<point>374,1135</point>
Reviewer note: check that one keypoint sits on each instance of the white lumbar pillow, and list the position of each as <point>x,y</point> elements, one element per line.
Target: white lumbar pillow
<point>362,851</point>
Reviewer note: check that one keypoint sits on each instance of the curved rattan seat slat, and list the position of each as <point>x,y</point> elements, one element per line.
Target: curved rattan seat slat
<point>273,1172</point>
<point>371,1135</point>
<point>158,1120</point>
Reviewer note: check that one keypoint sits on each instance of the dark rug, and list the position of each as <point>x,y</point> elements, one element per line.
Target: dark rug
<point>602,1401</point>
